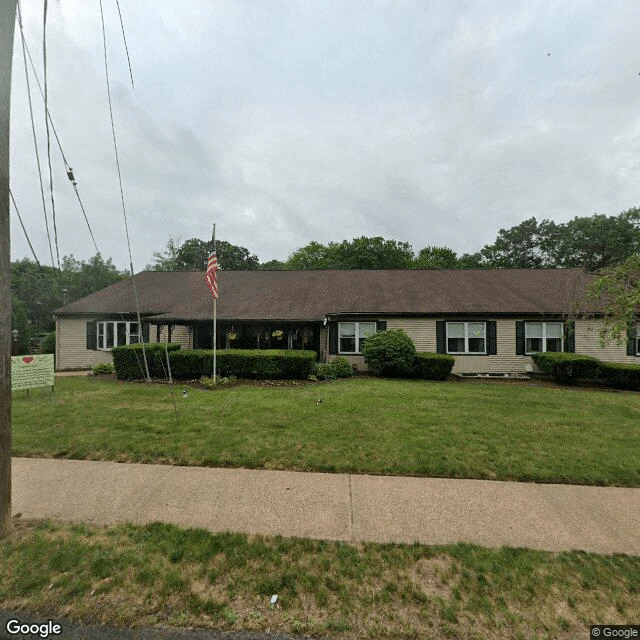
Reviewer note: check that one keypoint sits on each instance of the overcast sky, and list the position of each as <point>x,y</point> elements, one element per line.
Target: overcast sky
<point>287,121</point>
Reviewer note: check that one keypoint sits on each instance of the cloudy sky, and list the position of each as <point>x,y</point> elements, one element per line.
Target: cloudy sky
<point>287,121</point>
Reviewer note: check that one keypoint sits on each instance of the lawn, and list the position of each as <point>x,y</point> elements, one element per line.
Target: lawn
<point>158,574</point>
<point>376,426</point>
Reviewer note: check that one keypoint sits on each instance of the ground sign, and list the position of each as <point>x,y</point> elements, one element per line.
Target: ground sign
<point>28,372</point>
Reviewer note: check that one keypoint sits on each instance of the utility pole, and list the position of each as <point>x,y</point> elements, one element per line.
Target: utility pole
<point>7,24</point>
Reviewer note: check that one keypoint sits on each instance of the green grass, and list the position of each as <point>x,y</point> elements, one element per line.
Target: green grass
<point>376,426</point>
<point>159,574</point>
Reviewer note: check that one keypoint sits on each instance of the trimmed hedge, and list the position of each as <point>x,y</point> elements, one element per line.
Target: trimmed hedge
<point>390,353</point>
<point>129,363</point>
<point>432,366</point>
<point>621,375</point>
<point>567,367</point>
<point>243,363</point>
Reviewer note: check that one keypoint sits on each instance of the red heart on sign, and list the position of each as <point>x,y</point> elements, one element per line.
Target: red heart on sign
<point>27,359</point>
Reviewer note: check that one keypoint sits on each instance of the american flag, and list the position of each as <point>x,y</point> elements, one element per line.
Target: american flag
<point>211,277</point>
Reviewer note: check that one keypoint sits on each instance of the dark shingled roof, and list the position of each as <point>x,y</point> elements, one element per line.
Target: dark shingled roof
<point>311,295</point>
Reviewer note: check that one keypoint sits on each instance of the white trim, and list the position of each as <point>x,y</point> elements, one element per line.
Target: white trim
<point>101,338</point>
<point>466,338</point>
<point>357,337</point>
<point>543,337</point>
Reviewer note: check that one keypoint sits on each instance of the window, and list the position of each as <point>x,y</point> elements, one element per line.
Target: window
<point>543,336</point>
<point>466,337</point>
<point>114,334</point>
<point>351,335</point>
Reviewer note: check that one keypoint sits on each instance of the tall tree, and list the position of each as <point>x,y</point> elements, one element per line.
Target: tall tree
<point>517,247</point>
<point>616,290</point>
<point>437,258</point>
<point>193,254</point>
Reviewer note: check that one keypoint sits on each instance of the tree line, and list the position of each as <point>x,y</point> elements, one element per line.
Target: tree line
<point>594,243</point>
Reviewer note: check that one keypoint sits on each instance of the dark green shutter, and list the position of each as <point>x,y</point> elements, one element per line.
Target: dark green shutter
<point>570,337</point>
<point>333,338</point>
<point>492,338</point>
<point>631,339</point>
<point>520,347</point>
<point>381,325</point>
<point>441,336</point>
<point>92,335</point>
<point>145,332</point>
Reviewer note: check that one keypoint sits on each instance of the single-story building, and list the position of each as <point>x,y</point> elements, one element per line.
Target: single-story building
<point>491,320</point>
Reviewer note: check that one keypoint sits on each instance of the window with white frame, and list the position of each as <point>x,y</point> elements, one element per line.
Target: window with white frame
<point>466,337</point>
<point>112,333</point>
<point>543,336</point>
<point>351,335</point>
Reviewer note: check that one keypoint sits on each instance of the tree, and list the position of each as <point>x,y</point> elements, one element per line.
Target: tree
<point>193,255</point>
<point>437,258</point>
<point>593,242</point>
<point>272,265</point>
<point>359,253</point>
<point>517,247</point>
<point>313,256</point>
<point>166,260</point>
<point>616,292</point>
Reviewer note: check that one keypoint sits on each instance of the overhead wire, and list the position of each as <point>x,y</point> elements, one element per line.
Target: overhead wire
<point>24,229</point>
<point>46,120</point>
<point>124,38</point>
<point>33,131</point>
<point>68,168</point>
<point>124,211</point>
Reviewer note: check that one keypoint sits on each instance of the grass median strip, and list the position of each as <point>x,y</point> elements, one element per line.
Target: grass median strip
<point>375,426</point>
<point>159,574</point>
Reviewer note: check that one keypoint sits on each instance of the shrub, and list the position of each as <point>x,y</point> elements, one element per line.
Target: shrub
<point>621,376</point>
<point>432,366</point>
<point>390,353</point>
<point>220,381</point>
<point>567,367</point>
<point>103,368</point>
<point>48,343</point>
<point>243,363</point>
<point>339,367</point>
<point>129,363</point>
<point>324,371</point>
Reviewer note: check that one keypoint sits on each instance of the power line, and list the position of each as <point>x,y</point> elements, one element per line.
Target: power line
<point>33,131</point>
<point>124,211</point>
<point>23,228</point>
<point>46,120</point>
<point>68,169</point>
<point>125,42</point>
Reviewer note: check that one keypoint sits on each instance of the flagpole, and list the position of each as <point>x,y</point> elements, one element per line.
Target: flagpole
<point>215,309</point>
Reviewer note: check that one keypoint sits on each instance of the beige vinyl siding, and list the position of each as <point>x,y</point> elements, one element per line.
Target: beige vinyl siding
<point>588,343</point>
<point>179,333</point>
<point>71,346</point>
<point>423,332</point>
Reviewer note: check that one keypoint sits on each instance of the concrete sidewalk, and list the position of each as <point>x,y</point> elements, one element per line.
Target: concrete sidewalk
<point>344,507</point>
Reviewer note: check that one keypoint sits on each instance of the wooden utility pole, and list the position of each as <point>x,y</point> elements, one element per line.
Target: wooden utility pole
<point>7,23</point>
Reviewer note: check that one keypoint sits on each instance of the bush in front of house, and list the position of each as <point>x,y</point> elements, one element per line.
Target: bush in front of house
<point>103,368</point>
<point>568,367</point>
<point>390,353</point>
<point>339,367</point>
<point>128,360</point>
<point>243,363</point>
<point>48,343</point>
<point>621,375</point>
<point>432,366</point>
